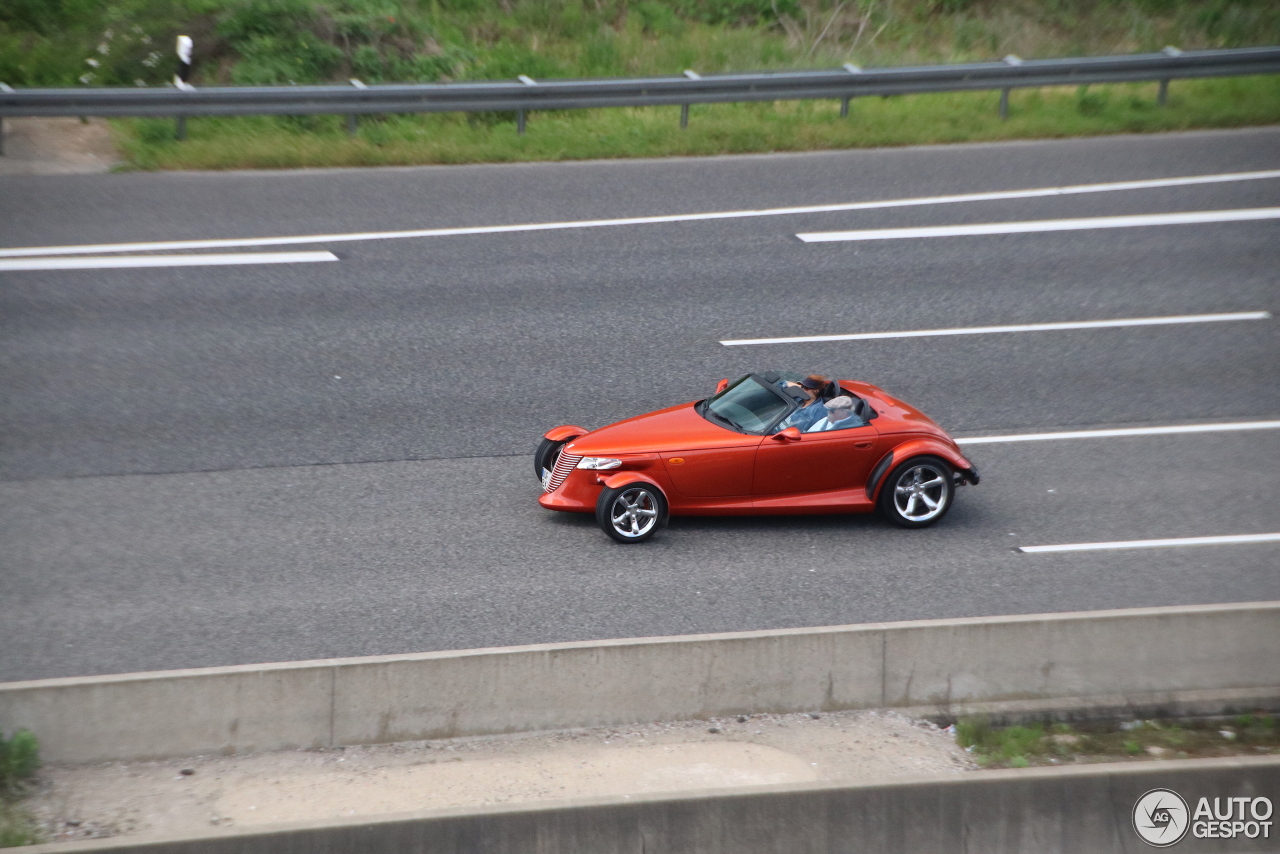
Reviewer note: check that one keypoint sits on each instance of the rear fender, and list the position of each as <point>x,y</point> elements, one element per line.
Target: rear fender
<point>931,447</point>
<point>565,432</point>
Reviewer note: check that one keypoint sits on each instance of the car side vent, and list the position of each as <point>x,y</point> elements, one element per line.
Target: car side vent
<point>565,464</point>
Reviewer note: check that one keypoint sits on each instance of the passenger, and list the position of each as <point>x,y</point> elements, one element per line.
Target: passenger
<point>839,416</point>
<point>811,410</point>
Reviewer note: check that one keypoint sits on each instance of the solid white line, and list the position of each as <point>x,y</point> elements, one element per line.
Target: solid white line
<point>112,261</point>
<point>1124,431</point>
<point>1043,225</point>
<point>228,243</point>
<point>1030,327</point>
<point>1153,544</point>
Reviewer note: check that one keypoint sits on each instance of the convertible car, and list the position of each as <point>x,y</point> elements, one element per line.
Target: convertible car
<point>750,450</point>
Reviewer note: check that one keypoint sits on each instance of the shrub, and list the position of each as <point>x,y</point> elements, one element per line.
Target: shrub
<point>19,759</point>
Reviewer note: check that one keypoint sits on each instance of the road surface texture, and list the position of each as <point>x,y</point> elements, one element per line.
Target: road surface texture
<point>232,464</point>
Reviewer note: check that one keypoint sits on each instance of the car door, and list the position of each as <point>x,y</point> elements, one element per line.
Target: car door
<point>815,462</point>
<point>714,472</point>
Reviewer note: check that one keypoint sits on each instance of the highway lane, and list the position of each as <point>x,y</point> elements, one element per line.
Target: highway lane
<point>140,572</point>
<point>284,379</point>
<point>384,355</point>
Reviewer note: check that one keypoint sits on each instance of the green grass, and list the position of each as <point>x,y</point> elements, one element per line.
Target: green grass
<point>17,826</point>
<point>263,142</point>
<point>1022,746</point>
<point>19,759</point>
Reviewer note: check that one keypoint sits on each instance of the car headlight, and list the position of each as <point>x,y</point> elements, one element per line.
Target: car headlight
<point>598,463</point>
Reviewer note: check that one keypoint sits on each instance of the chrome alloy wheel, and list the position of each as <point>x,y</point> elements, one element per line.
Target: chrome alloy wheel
<point>633,513</point>
<point>921,492</point>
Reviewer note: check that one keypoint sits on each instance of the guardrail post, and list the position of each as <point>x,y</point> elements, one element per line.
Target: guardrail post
<point>528,81</point>
<point>1014,60</point>
<point>844,102</point>
<point>353,120</point>
<point>4,87</point>
<point>684,108</point>
<point>180,129</point>
<point>1163,97</point>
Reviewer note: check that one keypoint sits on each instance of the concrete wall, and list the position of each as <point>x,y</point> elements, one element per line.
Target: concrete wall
<point>1080,810</point>
<point>1141,657</point>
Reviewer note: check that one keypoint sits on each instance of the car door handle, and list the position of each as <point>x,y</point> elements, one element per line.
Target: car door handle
<point>863,445</point>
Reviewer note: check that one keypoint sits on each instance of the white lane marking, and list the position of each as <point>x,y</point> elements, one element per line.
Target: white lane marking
<point>1043,225</point>
<point>1029,327</point>
<point>1038,192</point>
<point>1155,544</point>
<point>111,261</point>
<point>1124,431</point>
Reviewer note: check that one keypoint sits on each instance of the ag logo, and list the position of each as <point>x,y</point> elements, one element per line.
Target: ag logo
<point>1160,817</point>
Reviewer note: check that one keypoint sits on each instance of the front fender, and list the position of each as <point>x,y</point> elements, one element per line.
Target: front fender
<point>565,432</point>
<point>920,447</point>
<point>622,478</point>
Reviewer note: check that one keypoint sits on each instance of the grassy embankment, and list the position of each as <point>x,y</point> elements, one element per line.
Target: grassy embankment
<point>279,41</point>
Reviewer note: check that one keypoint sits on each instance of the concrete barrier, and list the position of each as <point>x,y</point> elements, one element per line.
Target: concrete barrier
<point>1148,658</point>
<point>1078,810</point>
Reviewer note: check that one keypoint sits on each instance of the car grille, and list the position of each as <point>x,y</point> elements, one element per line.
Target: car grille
<point>565,464</point>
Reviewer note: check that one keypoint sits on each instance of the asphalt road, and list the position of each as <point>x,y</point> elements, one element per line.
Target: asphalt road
<point>217,465</point>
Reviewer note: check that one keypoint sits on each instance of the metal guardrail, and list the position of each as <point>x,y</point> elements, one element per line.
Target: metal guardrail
<point>526,94</point>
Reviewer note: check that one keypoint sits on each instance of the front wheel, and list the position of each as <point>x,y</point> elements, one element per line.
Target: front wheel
<point>918,492</point>
<point>631,513</point>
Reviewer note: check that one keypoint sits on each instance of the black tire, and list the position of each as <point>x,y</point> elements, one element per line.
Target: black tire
<point>631,513</point>
<point>918,492</point>
<point>545,457</point>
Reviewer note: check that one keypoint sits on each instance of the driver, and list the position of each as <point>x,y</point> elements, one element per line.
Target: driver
<point>811,411</point>
<point>839,416</point>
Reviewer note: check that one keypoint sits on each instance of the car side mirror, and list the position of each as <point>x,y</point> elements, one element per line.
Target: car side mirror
<point>791,434</point>
<point>721,386</point>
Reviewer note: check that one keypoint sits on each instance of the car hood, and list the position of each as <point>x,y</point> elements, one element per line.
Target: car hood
<point>677,428</point>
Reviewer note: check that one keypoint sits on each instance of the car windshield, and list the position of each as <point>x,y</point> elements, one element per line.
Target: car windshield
<point>747,406</point>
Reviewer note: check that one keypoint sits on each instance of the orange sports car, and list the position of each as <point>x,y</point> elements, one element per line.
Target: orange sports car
<point>766,443</point>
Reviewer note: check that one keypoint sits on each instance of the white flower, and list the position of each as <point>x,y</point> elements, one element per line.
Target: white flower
<point>108,35</point>
<point>104,49</point>
<point>139,82</point>
<point>86,78</point>
<point>92,62</point>
<point>144,38</point>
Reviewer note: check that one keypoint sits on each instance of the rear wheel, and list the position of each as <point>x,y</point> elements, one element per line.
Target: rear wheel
<point>544,459</point>
<point>918,492</point>
<point>631,513</point>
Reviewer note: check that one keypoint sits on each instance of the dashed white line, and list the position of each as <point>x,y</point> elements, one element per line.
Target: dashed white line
<point>1236,539</point>
<point>1043,225</point>
<point>1038,192</point>
<point>1029,327</point>
<point>1121,432</point>
<point>211,260</point>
